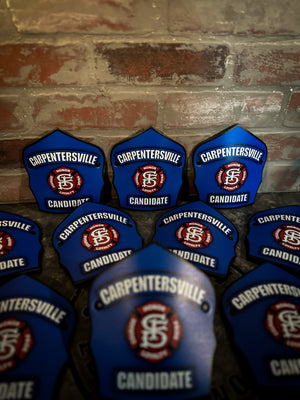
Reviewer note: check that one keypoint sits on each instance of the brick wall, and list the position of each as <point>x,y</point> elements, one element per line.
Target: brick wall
<point>103,70</point>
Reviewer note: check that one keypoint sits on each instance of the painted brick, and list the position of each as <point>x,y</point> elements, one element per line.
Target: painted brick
<point>90,111</point>
<point>15,188</point>
<point>281,177</point>
<point>11,153</point>
<point>6,26</point>
<point>40,64</point>
<point>188,140</point>
<point>282,146</point>
<point>108,141</point>
<point>8,114</point>
<point>159,63</point>
<point>268,66</point>
<point>292,115</point>
<point>215,109</point>
<point>235,16</point>
<point>89,16</point>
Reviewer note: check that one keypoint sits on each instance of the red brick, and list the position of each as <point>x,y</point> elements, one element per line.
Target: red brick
<point>107,141</point>
<point>6,26</point>
<point>208,109</point>
<point>90,16</point>
<point>282,145</point>
<point>268,66</point>
<point>163,62</point>
<point>8,114</point>
<point>292,115</point>
<point>281,177</point>
<point>15,188</point>
<point>235,16</point>
<point>89,111</point>
<point>38,64</point>
<point>11,153</point>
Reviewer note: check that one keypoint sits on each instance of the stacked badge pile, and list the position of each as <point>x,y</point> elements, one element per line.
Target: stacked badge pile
<point>152,311</point>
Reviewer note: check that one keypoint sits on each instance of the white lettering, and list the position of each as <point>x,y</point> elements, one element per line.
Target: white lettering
<point>254,293</point>
<point>148,201</point>
<point>33,305</point>
<point>232,151</point>
<point>99,262</point>
<point>280,254</point>
<point>197,258</point>
<point>22,390</point>
<point>285,367</point>
<point>230,199</point>
<point>152,283</point>
<point>39,159</point>
<point>15,224</point>
<point>64,235</point>
<point>162,380</point>
<point>149,154</point>
<point>278,217</point>
<point>12,263</point>
<point>66,203</point>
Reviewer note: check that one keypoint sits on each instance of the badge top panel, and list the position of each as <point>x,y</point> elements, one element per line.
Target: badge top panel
<point>64,172</point>
<point>228,168</point>
<point>148,171</point>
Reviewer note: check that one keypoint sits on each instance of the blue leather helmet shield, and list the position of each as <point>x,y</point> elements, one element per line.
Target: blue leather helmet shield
<point>35,328</point>
<point>19,244</point>
<point>152,328</point>
<point>94,237</point>
<point>148,171</point>
<point>274,236</point>
<point>64,172</point>
<point>198,233</point>
<point>263,309</point>
<point>228,168</point>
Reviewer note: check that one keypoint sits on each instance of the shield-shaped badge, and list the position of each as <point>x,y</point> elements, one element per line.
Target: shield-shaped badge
<point>228,168</point>
<point>19,244</point>
<point>198,233</point>
<point>93,237</point>
<point>152,328</point>
<point>35,328</point>
<point>274,236</point>
<point>64,172</point>
<point>263,309</point>
<point>148,171</point>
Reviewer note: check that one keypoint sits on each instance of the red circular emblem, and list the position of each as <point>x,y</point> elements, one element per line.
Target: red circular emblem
<point>149,178</point>
<point>153,331</point>
<point>194,235</point>
<point>288,236</point>
<point>65,181</point>
<point>283,322</point>
<point>231,176</point>
<point>6,243</point>
<point>100,237</point>
<point>16,341</point>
